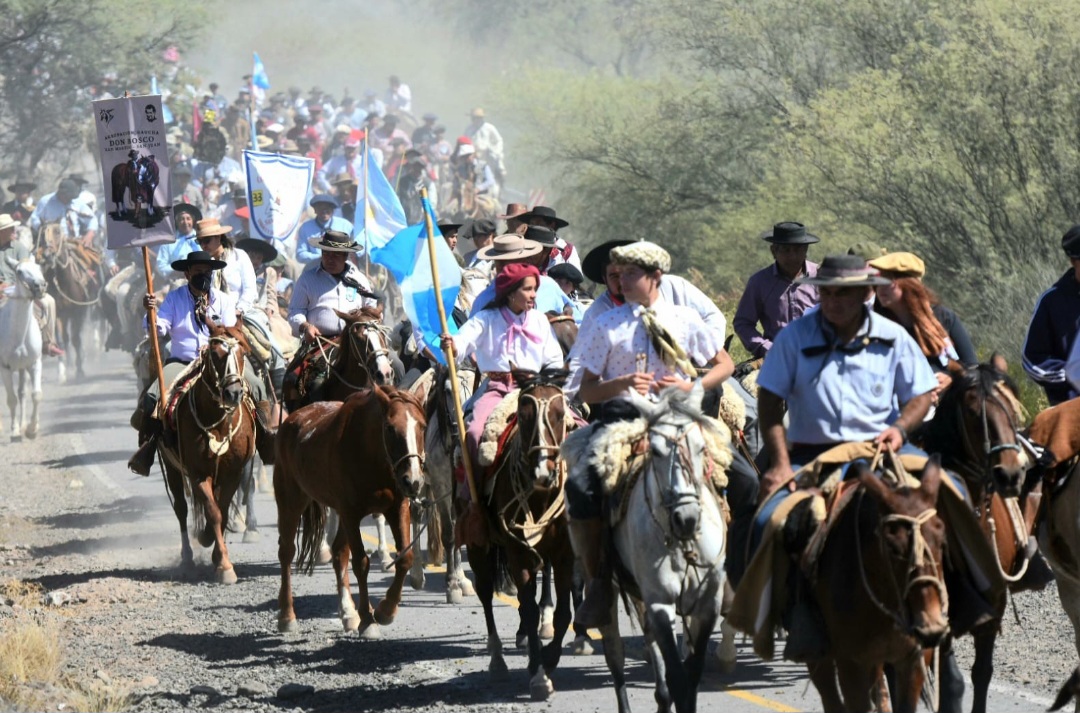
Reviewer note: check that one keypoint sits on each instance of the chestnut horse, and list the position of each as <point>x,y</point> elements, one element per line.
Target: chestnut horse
<point>525,518</point>
<point>974,431</point>
<point>360,457</point>
<point>882,595</point>
<point>75,283</point>
<point>215,438</point>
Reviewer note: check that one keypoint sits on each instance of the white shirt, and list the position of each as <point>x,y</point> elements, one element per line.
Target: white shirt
<point>176,319</point>
<point>318,293</point>
<point>616,342</point>
<point>239,277</point>
<point>677,291</point>
<point>488,142</point>
<point>485,337</point>
<point>402,98</point>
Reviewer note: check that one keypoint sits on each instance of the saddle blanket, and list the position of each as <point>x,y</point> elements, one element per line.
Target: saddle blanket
<point>1057,429</point>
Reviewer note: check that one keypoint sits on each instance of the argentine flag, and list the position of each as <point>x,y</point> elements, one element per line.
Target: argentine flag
<point>406,256</point>
<point>166,113</point>
<point>379,212</point>
<point>258,74</point>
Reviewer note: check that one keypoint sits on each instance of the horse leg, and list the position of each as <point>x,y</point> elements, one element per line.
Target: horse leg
<point>174,479</point>
<point>482,561</point>
<point>35,399</point>
<point>401,530</point>
<point>582,642</point>
<point>361,563</point>
<point>662,622</point>
<point>350,617</point>
<point>251,523</point>
<point>223,569</point>
<point>823,675</point>
<point>547,606</point>
<point>62,338</point>
<point>77,323</point>
<point>385,560</point>
<point>615,656</point>
<point>333,524</point>
<point>698,633</point>
<point>291,503</point>
<point>456,581</point>
<point>857,683</point>
<point>909,684</point>
<point>15,399</point>
<point>654,654</point>
<point>983,669</point>
<point>540,688</point>
<point>416,571</point>
<point>726,652</point>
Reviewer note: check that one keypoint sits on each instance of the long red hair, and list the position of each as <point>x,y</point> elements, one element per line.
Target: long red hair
<point>925,327</point>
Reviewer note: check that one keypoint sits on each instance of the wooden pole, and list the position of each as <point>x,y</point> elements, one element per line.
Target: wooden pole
<point>367,243</point>
<point>151,318</point>
<point>450,360</point>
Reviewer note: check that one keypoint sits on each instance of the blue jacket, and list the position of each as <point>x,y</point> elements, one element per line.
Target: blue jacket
<point>1050,337</point>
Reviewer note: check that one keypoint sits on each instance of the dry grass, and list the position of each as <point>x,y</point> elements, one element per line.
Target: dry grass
<point>31,661</point>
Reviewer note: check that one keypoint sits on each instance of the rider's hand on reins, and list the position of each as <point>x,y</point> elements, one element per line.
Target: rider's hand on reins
<point>772,478</point>
<point>891,438</point>
<point>672,380</point>
<point>310,332</point>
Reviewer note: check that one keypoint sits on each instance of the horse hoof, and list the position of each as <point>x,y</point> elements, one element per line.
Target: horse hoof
<point>498,671</point>
<point>727,667</point>
<point>582,646</point>
<point>454,596</point>
<point>206,538</point>
<point>385,560</point>
<point>521,641</point>
<point>385,615</point>
<point>287,626</point>
<point>467,587</point>
<point>351,623</point>
<point>371,632</point>
<point>251,536</point>
<point>225,576</point>
<point>540,687</point>
<point>416,581</point>
<point>324,556</point>
<point>547,631</point>
<point>31,431</point>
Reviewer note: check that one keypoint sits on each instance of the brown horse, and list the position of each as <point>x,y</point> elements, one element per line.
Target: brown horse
<point>974,430</point>
<point>215,438</point>
<point>565,329</point>
<point>525,520</point>
<point>360,457</point>
<point>74,282</point>
<point>880,587</point>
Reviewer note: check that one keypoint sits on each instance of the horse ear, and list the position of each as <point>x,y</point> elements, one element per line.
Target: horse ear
<point>931,478</point>
<point>871,482</point>
<point>955,368</point>
<point>998,362</point>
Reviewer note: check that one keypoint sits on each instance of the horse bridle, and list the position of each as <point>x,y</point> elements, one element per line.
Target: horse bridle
<point>680,457</point>
<point>989,449</point>
<point>379,348</point>
<point>544,426</point>
<point>918,553</point>
<point>230,376</point>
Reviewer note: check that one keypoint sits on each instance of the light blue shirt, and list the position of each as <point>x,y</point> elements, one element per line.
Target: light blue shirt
<point>317,294</point>
<point>176,319</point>
<point>75,219</point>
<point>305,253</point>
<point>834,397</point>
<point>549,298</point>
<point>171,252</point>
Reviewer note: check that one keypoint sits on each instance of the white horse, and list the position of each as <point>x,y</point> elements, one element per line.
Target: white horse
<point>670,542</point>
<point>20,346</point>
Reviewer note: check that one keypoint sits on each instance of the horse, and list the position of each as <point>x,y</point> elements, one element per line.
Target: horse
<point>71,282</point>
<point>879,582</point>
<point>20,347</point>
<point>214,441</point>
<point>974,430</point>
<point>360,457</point>
<point>120,181</point>
<point>440,442</point>
<point>669,539</point>
<point>564,328</point>
<point>1069,691</point>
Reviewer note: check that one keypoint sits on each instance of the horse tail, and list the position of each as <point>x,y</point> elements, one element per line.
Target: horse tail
<point>310,536</point>
<point>436,547</point>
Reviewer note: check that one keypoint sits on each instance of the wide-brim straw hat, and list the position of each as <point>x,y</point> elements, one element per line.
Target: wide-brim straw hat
<point>209,227</point>
<point>509,247</point>
<point>335,241</point>
<point>6,221</point>
<point>844,271</point>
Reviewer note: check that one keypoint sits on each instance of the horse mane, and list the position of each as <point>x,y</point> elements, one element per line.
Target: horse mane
<point>548,376</point>
<point>944,434</point>
<point>363,314</point>
<point>236,333</point>
<point>393,393</point>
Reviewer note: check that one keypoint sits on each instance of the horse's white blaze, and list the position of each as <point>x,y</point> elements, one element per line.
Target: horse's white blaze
<point>412,426</point>
<point>382,361</point>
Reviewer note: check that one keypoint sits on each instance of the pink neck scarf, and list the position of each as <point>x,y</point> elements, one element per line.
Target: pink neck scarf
<point>514,327</point>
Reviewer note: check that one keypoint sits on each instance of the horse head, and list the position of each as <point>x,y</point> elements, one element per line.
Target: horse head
<point>29,279</point>
<point>366,342</point>
<point>909,536</point>
<point>224,365</point>
<point>678,455</point>
<point>564,328</point>
<point>403,435</point>
<point>975,428</point>
<point>541,417</point>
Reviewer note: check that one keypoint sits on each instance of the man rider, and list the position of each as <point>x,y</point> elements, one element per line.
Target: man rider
<point>45,307</point>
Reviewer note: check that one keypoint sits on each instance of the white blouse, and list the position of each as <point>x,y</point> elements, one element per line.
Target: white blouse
<point>496,342</point>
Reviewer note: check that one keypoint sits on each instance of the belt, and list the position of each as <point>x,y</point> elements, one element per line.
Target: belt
<point>500,377</point>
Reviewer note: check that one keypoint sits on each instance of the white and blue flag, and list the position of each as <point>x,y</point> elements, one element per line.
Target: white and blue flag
<point>258,74</point>
<point>406,257</point>
<point>379,212</point>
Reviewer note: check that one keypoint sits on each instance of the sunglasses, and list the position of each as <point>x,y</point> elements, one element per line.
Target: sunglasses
<point>205,240</point>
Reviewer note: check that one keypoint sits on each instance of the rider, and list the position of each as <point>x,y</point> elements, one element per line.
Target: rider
<point>21,207</point>
<point>76,219</point>
<point>1054,327</point>
<point>325,220</point>
<point>507,334</point>
<point>774,295</point>
<point>45,307</point>
<point>546,218</point>
<point>238,276</point>
<point>646,344</point>
<point>569,279</point>
<point>185,217</point>
<point>185,316</point>
<point>507,249</point>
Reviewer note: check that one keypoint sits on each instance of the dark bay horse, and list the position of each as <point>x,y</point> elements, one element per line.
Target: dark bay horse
<point>525,518</point>
<point>974,430</point>
<point>360,457</point>
<point>215,439</point>
<point>882,595</point>
<point>75,282</point>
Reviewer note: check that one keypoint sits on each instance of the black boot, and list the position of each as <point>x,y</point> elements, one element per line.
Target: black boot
<point>808,639</point>
<point>1038,573</point>
<point>149,433</point>
<point>265,433</point>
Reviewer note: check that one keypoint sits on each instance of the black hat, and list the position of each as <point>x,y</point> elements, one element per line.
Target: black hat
<point>844,271</point>
<point>1070,241</point>
<point>78,178</point>
<point>324,198</point>
<point>594,263</point>
<point>182,169</point>
<point>790,233</point>
<point>335,241</point>
<point>483,226</point>
<point>198,257</point>
<point>195,213</point>
<point>19,186</point>
<point>239,194</point>
<point>450,228</point>
<point>566,271</point>
<point>542,211</point>
<point>254,245</point>
<point>544,236</point>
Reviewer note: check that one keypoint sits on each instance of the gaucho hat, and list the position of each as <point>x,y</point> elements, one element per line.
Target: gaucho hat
<point>790,233</point>
<point>542,211</point>
<point>254,245</point>
<point>844,271</point>
<point>198,257</point>
<point>597,258</point>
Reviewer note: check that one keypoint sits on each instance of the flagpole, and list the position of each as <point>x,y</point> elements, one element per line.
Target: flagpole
<point>450,360</point>
<point>367,204</point>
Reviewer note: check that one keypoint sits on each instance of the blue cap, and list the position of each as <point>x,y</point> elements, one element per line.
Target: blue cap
<point>325,198</point>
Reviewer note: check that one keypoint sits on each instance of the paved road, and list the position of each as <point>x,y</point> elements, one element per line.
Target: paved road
<point>86,440</point>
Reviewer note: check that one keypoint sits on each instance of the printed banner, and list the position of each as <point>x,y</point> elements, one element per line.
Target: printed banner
<point>134,171</point>
<point>277,193</point>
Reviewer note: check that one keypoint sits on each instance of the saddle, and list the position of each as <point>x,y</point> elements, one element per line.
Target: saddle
<point>307,372</point>
<point>180,386</point>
